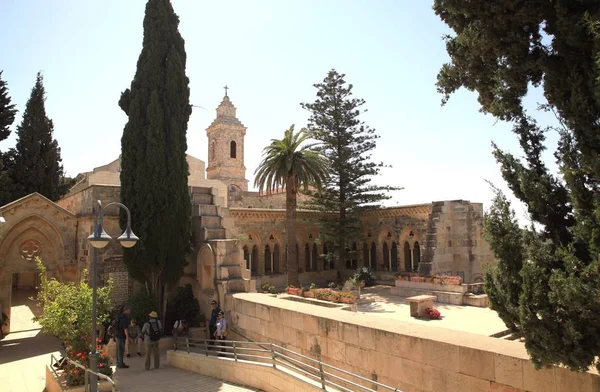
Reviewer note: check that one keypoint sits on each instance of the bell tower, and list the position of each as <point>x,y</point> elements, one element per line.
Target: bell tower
<point>226,148</point>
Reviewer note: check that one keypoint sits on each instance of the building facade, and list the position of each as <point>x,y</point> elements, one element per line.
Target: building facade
<point>231,227</point>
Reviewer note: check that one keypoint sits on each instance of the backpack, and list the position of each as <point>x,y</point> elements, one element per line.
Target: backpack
<point>154,331</point>
<point>112,328</point>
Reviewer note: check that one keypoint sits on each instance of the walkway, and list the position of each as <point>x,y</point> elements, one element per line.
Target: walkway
<point>25,351</point>
<point>168,378</point>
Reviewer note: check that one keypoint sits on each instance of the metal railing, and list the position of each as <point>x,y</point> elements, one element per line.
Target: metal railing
<point>86,376</point>
<point>282,358</point>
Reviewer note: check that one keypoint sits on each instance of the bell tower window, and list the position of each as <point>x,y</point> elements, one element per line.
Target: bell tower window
<point>233,149</point>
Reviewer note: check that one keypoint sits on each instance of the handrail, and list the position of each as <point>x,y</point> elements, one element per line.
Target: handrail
<point>87,372</point>
<point>276,355</point>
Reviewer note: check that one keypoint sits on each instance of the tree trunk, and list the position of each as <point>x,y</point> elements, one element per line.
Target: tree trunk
<point>290,215</point>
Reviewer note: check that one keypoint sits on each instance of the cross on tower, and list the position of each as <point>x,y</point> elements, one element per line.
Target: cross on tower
<point>226,88</point>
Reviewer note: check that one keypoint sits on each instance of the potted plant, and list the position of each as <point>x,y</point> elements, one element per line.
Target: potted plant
<point>310,292</point>
<point>366,275</point>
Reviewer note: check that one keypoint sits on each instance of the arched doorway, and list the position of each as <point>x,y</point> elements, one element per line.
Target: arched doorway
<point>315,257</point>
<point>307,264</point>
<point>373,256</point>
<point>394,257</point>
<point>268,260</point>
<point>254,260</point>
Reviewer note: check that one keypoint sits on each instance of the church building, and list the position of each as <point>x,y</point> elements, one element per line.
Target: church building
<point>239,236</point>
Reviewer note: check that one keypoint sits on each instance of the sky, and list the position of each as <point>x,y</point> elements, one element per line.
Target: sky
<point>270,53</point>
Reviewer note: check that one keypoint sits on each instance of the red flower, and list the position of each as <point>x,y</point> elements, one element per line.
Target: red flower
<point>100,365</point>
<point>72,353</point>
<point>79,355</point>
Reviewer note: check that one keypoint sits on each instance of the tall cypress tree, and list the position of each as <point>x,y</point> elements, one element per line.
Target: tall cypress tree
<point>154,169</point>
<point>35,164</point>
<point>348,144</point>
<point>7,110</point>
<point>7,117</point>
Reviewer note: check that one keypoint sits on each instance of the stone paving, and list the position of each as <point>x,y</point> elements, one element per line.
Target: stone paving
<point>379,302</point>
<point>25,352</point>
<point>168,378</point>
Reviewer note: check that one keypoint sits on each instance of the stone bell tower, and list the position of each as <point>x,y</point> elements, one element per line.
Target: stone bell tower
<point>226,148</point>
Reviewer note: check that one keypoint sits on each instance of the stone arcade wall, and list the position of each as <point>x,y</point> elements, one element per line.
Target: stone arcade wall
<point>414,358</point>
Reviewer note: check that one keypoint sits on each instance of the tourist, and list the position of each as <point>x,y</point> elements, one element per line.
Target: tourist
<point>122,335</point>
<point>135,338</point>
<point>212,323</point>
<point>151,333</point>
<point>180,328</point>
<point>221,331</point>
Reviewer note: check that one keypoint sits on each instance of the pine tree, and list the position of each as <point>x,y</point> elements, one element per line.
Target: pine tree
<point>35,164</point>
<point>348,144</point>
<point>7,117</point>
<point>154,170</point>
<point>552,267</point>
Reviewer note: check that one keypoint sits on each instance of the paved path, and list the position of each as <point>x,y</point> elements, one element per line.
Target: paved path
<point>168,378</point>
<point>26,350</point>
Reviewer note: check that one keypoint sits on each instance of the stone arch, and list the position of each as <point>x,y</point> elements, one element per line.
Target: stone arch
<point>32,230</point>
<point>205,271</point>
<point>407,257</point>
<point>406,237</point>
<point>386,234</point>
<point>233,149</point>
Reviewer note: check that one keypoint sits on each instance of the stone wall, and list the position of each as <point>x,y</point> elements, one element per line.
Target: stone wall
<point>413,358</point>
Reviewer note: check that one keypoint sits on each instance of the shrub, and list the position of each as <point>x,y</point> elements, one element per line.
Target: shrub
<point>365,274</point>
<point>312,286</point>
<point>141,305</point>
<point>186,306</point>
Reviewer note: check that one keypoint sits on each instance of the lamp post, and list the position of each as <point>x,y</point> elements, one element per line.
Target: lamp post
<point>99,239</point>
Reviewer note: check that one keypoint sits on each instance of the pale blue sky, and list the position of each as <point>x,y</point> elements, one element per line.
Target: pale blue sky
<point>269,53</point>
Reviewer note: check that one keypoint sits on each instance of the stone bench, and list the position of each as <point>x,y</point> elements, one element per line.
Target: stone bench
<point>419,303</point>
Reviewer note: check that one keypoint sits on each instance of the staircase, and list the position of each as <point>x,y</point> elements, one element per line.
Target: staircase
<point>207,226</point>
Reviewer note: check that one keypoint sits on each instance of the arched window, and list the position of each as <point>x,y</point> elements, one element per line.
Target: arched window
<point>354,258</point>
<point>307,264</point>
<point>416,255</point>
<point>268,260</point>
<point>254,259</point>
<point>233,149</point>
<point>366,258</point>
<point>407,258</point>
<point>373,256</point>
<point>387,263</point>
<point>394,257</point>
<point>247,257</point>
<point>314,257</point>
<point>276,269</point>
<point>326,264</point>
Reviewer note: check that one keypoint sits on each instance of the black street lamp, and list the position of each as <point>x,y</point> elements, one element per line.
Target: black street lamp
<point>99,239</point>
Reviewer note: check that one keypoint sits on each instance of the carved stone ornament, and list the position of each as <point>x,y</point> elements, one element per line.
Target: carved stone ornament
<point>30,249</point>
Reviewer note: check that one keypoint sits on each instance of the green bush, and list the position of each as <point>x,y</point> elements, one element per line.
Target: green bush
<point>141,305</point>
<point>186,307</point>
<point>365,274</point>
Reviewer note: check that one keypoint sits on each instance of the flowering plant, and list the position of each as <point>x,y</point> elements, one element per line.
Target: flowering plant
<point>75,374</point>
<point>433,313</point>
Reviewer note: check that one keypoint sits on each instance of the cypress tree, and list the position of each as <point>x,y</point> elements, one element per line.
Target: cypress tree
<point>7,110</point>
<point>7,117</point>
<point>154,170</point>
<point>347,142</point>
<point>545,286</point>
<point>35,164</point>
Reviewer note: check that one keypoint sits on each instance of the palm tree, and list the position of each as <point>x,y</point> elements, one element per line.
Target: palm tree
<point>289,164</point>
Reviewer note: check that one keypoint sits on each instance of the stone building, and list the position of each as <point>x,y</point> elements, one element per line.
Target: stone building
<point>239,236</point>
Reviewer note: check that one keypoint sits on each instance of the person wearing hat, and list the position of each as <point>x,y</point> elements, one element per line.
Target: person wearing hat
<point>152,331</point>
<point>122,335</point>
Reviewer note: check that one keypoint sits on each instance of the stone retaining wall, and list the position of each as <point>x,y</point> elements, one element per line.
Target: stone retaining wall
<point>414,358</point>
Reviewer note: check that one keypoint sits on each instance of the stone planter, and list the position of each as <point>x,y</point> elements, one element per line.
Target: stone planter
<point>418,279</point>
<point>54,384</point>
<point>347,300</point>
<point>309,294</point>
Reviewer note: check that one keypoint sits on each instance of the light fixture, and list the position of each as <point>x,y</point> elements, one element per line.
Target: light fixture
<point>128,239</point>
<point>99,239</point>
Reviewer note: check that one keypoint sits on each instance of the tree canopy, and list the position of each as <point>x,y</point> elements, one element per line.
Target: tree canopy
<point>546,284</point>
<point>290,163</point>
<point>348,144</point>
<point>154,169</point>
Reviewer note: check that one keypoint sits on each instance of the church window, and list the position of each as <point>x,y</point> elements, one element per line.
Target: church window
<point>233,149</point>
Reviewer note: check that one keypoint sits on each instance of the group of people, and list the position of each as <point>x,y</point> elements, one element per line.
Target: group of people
<point>129,336</point>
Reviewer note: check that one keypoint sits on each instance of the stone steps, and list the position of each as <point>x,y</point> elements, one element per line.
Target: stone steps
<point>210,221</point>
